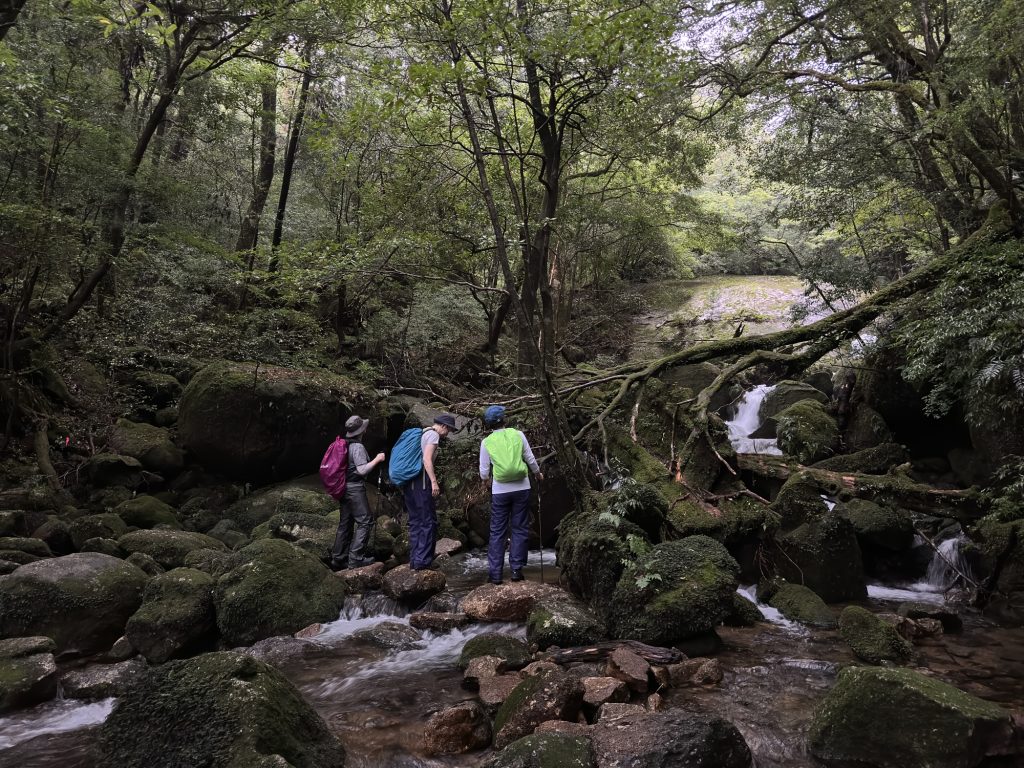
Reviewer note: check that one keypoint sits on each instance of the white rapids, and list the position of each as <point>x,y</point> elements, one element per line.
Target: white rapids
<point>746,422</point>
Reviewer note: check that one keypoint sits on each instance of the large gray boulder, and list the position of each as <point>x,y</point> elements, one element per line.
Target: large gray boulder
<point>28,672</point>
<point>80,601</point>
<point>551,695</point>
<point>787,393</point>
<point>168,548</point>
<point>152,446</point>
<point>261,422</point>
<point>280,503</point>
<point>176,615</point>
<point>219,709</point>
<point>671,738</point>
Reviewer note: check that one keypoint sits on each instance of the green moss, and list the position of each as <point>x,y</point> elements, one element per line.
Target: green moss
<point>732,522</point>
<point>1000,546</point>
<point>104,526</point>
<point>545,750</point>
<point>798,603</point>
<point>807,432</point>
<point>169,548</point>
<point>147,512</point>
<point>876,460</point>
<point>176,615</point>
<point>562,622</point>
<point>517,698</point>
<point>879,527</point>
<point>798,501</point>
<point>824,555</point>
<point>281,500</point>
<point>591,552</point>
<point>872,639</point>
<point>788,393</point>
<point>744,612</point>
<point>514,651</point>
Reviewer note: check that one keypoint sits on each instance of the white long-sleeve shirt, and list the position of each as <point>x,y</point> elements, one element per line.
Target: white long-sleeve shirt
<point>518,485</point>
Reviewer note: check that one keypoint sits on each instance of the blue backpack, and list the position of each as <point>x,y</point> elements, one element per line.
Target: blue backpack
<point>406,457</point>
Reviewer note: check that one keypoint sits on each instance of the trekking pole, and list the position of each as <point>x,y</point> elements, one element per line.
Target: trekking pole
<point>540,532</point>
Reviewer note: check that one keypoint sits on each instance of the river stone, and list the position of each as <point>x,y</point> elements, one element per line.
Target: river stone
<point>799,500</point>
<point>447,547</point>
<point>692,594</point>
<point>364,579</point>
<point>26,680</point>
<point>630,668</point>
<point>158,389</point>
<point>456,730</point>
<point>807,432</point>
<point>745,613</point>
<point>898,718</point>
<point>263,422</point>
<point>876,460</point>
<point>105,526</point>
<point>109,469</point>
<point>273,589</point>
<point>152,446</point>
<point>877,527</point>
<point>145,563</point>
<point>18,647</point>
<point>561,620</point>
<point>439,622</point>
<point>546,750</point>
<point>506,602</point>
<point>951,622</point>
<point>102,681</point>
<point>259,507</point>
<point>695,672</point>
<point>798,603</point>
<point>511,650</point>
<point>482,668</point>
<point>389,634</point>
<point>57,535</point>
<point>105,547</point>
<point>670,738</point>
<point>871,638</point>
<point>409,586</point>
<point>147,512</point>
<point>168,548</point>
<point>551,696</point>
<point>616,711</point>
<point>82,601</point>
<point>295,526</point>
<point>866,429</point>
<point>218,709</point>
<point>175,617</point>
<point>787,393</point>
<point>824,555</point>
<point>30,546</point>
<point>601,690</point>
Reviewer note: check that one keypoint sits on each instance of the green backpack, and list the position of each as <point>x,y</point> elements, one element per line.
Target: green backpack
<point>506,449</point>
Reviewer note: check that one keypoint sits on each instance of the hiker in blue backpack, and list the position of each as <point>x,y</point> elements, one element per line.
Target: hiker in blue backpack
<point>349,549</point>
<point>412,469</point>
<point>504,456</point>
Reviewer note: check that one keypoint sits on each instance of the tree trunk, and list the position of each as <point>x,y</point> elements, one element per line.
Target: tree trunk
<point>249,232</point>
<point>9,10</point>
<point>289,157</point>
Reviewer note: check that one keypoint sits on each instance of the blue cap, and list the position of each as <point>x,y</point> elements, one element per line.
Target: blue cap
<point>494,414</point>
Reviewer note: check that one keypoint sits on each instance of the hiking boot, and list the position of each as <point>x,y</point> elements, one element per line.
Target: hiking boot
<point>494,581</point>
<point>362,562</point>
<point>337,566</point>
<point>517,574</point>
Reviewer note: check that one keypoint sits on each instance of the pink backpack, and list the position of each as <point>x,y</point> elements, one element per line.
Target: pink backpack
<point>334,468</point>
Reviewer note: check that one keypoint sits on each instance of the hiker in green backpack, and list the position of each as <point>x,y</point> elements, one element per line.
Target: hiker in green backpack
<point>504,457</point>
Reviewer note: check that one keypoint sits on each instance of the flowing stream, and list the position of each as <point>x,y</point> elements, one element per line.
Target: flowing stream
<point>747,421</point>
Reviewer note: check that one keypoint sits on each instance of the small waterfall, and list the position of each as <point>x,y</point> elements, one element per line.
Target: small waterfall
<point>771,615</point>
<point>947,565</point>
<point>747,420</point>
<point>57,716</point>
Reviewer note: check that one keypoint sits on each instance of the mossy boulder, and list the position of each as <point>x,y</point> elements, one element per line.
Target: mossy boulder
<point>548,695</point>
<point>219,709</point>
<point>677,590</point>
<point>787,393</point>
<point>872,639</point>
<point>898,718</point>
<point>807,432</point>
<point>1000,549</point>
<point>169,548</point>
<point>260,422</point>
<point>545,750</point>
<point>798,603</point>
<point>176,615</point>
<point>28,672</point>
<point>670,738</point>
<point>591,551</point>
<point>81,601</point>
<point>798,501</point>
<point>274,588</point>
<point>105,470</point>
<point>510,649</point>
<point>824,555</point>
<point>104,526</point>
<point>147,512</point>
<point>157,389</point>
<point>562,621</point>
<point>865,429</point>
<point>296,526</point>
<point>733,522</point>
<point>744,612</point>
<point>152,446</point>
<point>876,460</point>
<point>877,527</point>
<point>37,548</point>
<point>260,507</point>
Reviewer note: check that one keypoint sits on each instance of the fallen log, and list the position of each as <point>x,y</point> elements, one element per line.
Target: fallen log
<point>964,506</point>
<point>600,651</point>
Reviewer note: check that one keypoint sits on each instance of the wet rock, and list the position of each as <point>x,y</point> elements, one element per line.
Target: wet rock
<point>102,681</point>
<point>511,650</point>
<point>866,428</point>
<point>679,589</point>
<point>546,750</point>
<point>824,555</point>
<point>494,690</point>
<point>105,547</point>
<point>670,738</point>
<point>951,622</point>
<point>654,703</point>
<point>8,566</point>
<point>878,528</point>
<point>259,424</point>
<point>311,631</point>
<point>147,512</point>
<point>439,622</point>
<point>152,446</point>
<point>799,500</point>
<point>389,634</point>
<point>615,711</point>
<point>898,718</point>
<point>296,526</point>
<point>807,432</point>
<point>552,696</point>
<point>272,588</point>
<point>457,730</point>
<point>260,507</point>
<point>447,547</point>
<point>540,668</point>
<point>104,526</point>
<point>226,531</point>
<point>369,577</point>
<point>108,469</point>
<point>481,668</point>
<point>176,615</point>
<point>28,672</point>
<point>872,639</point>
<point>601,690</point>
<point>216,563</point>
<point>121,650</point>
<point>798,603</point>
<point>168,548</point>
<point>145,563</point>
<point>912,629</point>
<point>57,535</point>
<point>744,612</point>
<point>506,602</point>
<point>876,460</point>
<point>81,601</point>
<point>787,393</point>
<point>695,672</point>
<point>219,709</point>
<point>630,668</point>
<point>409,586</point>
<point>34,547</point>
<point>563,621</point>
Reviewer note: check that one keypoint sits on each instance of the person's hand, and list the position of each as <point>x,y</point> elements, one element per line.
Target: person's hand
<point>435,489</point>
<point>379,457</point>
<point>540,476</point>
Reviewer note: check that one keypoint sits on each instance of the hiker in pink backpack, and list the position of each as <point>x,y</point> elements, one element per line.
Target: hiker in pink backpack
<point>356,521</point>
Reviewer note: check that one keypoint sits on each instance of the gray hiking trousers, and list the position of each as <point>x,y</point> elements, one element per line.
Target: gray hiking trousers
<point>349,545</point>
